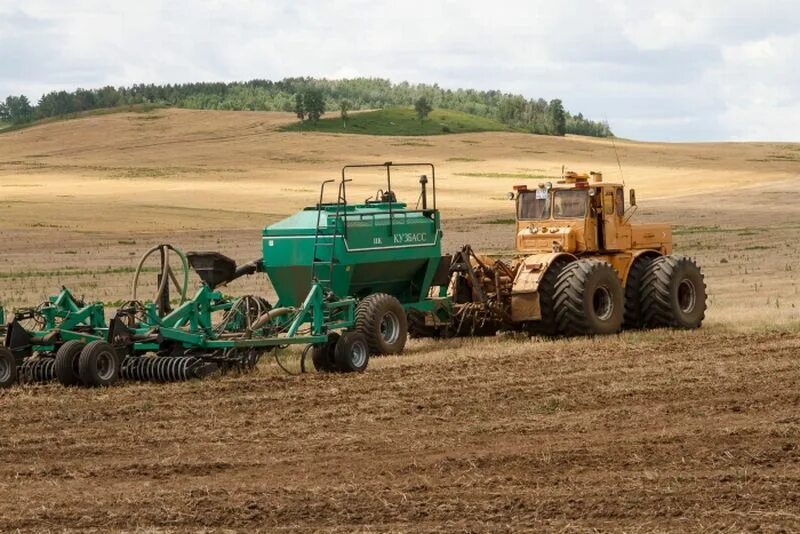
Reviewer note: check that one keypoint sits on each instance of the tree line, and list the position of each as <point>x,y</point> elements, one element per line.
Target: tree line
<point>534,115</point>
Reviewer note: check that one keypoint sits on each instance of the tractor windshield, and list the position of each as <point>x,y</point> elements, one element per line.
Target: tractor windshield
<point>570,203</point>
<point>534,205</point>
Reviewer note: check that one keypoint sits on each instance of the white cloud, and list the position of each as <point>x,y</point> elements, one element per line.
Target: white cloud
<point>760,88</point>
<point>678,69</point>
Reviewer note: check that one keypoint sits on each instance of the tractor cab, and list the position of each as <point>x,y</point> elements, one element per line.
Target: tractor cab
<point>579,214</point>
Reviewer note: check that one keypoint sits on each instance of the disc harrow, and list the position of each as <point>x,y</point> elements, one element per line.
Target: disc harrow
<point>165,368</point>
<point>37,369</point>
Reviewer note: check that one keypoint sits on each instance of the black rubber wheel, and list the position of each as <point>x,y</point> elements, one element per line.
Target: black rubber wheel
<point>351,353</point>
<point>382,320</point>
<point>547,325</point>
<point>324,354</point>
<point>8,368</point>
<point>588,299</point>
<point>66,364</point>
<point>673,293</point>
<point>633,318</point>
<point>99,364</point>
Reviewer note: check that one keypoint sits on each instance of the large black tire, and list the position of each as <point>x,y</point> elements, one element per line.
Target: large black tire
<point>324,354</point>
<point>589,299</point>
<point>634,319</point>
<point>66,364</point>
<point>673,293</point>
<point>382,320</point>
<point>548,326</point>
<point>99,364</point>
<point>352,353</point>
<point>8,368</point>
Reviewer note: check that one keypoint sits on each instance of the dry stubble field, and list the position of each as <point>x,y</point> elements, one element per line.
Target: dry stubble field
<point>645,431</point>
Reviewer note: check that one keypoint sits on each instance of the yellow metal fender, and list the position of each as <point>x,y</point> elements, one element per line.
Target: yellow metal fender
<point>525,291</point>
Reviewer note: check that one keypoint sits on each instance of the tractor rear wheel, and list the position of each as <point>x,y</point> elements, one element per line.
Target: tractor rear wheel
<point>99,364</point>
<point>8,368</point>
<point>673,293</point>
<point>66,364</point>
<point>588,299</point>
<point>351,353</point>
<point>382,320</point>
<point>324,354</point>
<point>633,318</point>
<point>547,325</point>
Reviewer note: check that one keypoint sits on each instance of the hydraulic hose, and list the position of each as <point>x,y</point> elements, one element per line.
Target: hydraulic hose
<point>166,272</point>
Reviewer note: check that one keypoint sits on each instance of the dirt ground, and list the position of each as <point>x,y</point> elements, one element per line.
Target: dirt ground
<point>663,431</point>
<point>644,431</point>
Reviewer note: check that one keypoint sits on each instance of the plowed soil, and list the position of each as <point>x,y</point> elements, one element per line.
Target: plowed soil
<point>675,431</point>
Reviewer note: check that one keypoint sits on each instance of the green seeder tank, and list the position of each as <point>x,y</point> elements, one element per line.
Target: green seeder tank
<point>379,246</point>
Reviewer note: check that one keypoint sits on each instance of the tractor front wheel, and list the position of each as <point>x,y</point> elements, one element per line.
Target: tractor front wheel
<point>588,299</point>
<point>8,368</point>
<point>66,364</point>
<point>382,321</point>
<point>673,293</point>
<point>351,353</point>
<point>99,364</point>
<point>548,324</point>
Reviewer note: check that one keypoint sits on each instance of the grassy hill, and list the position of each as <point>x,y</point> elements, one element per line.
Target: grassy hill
<point>402,121</point>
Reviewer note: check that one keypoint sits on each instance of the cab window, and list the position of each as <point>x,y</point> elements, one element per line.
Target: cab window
<point>620,201</point>
<point>609,202</point>
<point>533,205</point>
<point>570,203</point>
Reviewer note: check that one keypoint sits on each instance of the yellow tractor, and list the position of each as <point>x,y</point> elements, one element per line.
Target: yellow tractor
<point>587,270</point>
<point>581,269</point>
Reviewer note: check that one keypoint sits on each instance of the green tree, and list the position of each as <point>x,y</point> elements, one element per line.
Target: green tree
<point>534,115</point>
<point>299,106</point>
<point>17,109</point>
<point>558,118</point>
<point>315,104</point>
<point>422,107</point>
<point>344,108</point>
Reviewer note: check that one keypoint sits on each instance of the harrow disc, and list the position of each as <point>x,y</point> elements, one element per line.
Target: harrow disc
<point>35,370</point>
<point>165,368</point>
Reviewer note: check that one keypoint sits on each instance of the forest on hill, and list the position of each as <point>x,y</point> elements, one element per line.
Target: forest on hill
<point>516,111</point>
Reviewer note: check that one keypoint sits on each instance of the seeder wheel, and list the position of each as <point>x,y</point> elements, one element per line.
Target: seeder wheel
<point>351,353</point>
<point>66,365</point>
<point>324,354</point>
<point>99,364</point>
<point>8,368</point>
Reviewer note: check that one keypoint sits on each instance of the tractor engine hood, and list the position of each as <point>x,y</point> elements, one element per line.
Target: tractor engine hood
<point>547,238</point>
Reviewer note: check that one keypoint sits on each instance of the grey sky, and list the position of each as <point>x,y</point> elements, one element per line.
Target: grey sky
<point>658,70</point>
